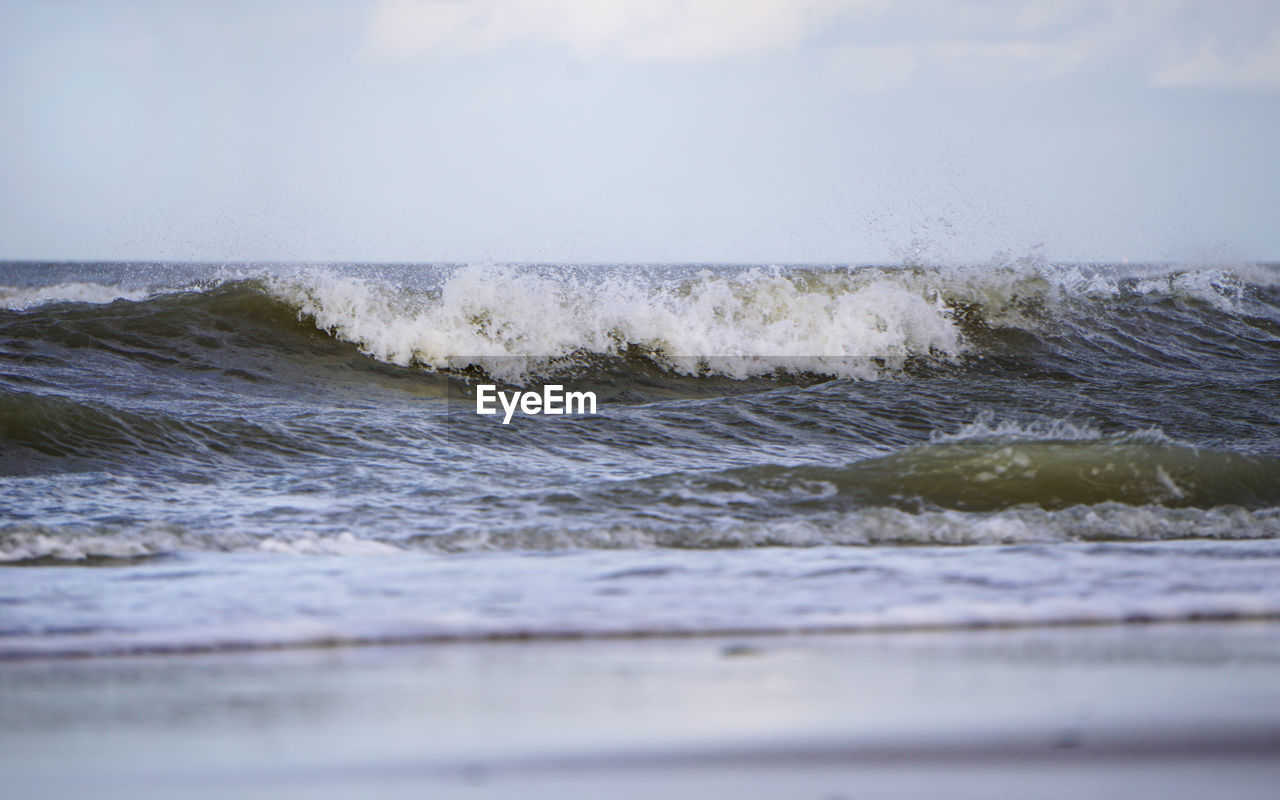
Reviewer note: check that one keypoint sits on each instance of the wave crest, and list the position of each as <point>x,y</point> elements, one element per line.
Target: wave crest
<point>514,324</point>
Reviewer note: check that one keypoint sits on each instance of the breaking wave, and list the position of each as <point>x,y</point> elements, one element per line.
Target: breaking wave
<point>516,325</point>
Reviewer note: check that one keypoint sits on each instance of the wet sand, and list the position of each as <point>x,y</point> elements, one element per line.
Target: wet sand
<point>1108,711</point>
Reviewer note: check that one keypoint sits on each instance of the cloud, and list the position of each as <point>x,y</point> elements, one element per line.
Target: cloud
<point>670,30</point>
<point>873,68</point>
<point>1215,65</point>
<point>870,45</point>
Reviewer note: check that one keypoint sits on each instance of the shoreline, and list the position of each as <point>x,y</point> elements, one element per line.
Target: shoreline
<point>141,650</point>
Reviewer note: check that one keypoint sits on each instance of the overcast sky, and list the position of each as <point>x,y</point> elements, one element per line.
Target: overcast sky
<point>774,131</point>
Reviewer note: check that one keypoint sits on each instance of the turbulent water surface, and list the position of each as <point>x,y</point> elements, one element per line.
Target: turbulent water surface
<point>261,455</point>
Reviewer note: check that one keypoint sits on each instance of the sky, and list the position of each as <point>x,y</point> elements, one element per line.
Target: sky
<point>743,131</point>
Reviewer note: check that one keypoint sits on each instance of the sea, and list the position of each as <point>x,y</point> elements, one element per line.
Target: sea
<point>211,457</point>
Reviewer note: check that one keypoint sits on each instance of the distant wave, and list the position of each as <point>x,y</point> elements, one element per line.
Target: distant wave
<point>13,297</point>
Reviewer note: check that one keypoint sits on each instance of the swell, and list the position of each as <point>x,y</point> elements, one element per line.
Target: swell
<point>235,328</point>
<point>997,475</point>
<point>38,431</point>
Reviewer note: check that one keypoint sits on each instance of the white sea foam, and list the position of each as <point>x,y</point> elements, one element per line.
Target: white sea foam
<point>342,544</point>
<point>890,526</point>
<point>870,526</point>
<point>30,542</point>
<point>1012,292</point>
<point>1023,525</point>
<point>12,297</point>
<point>986,426</point>
<point>78,543</point>
<point>1224,288</point>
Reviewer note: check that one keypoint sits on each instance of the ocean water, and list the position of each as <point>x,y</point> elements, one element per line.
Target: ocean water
<point>199,457</point>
